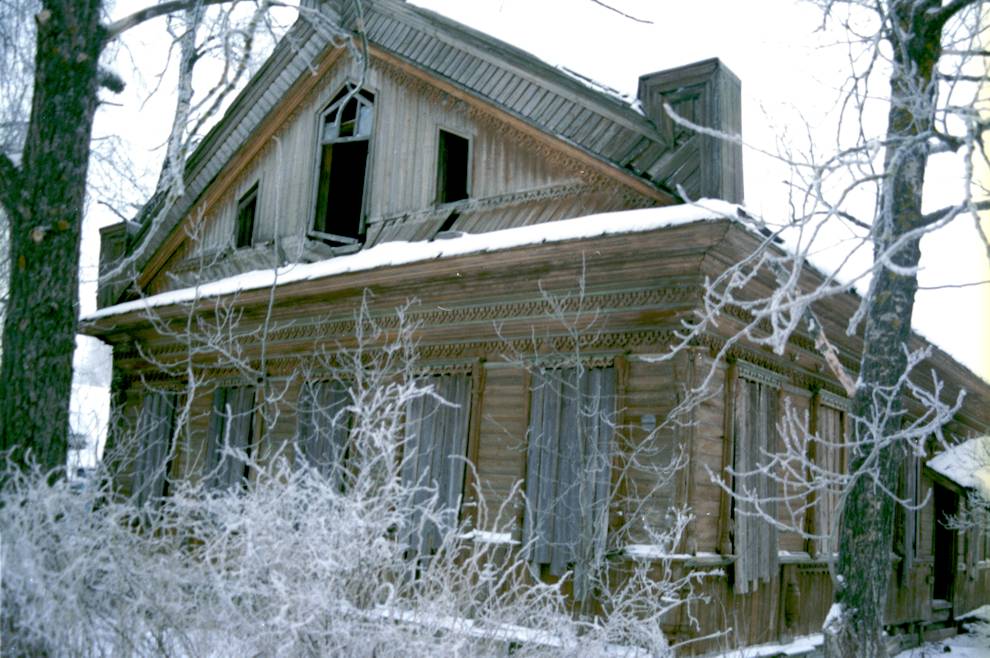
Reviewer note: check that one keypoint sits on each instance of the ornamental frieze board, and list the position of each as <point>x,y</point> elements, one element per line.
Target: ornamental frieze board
<point>332,329</point>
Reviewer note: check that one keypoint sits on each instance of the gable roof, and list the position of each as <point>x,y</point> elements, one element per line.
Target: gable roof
<point>555,102</point>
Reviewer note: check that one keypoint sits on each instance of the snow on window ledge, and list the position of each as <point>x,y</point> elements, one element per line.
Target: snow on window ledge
<point>487,537</point>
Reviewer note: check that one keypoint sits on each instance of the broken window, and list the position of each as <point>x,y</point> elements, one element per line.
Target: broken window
<point>345,135</point>
<point>568,470</point>
<point>247,208</point>
<point>230,436</point>
<point>452,167</point>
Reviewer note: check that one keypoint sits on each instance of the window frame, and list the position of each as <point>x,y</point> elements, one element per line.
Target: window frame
<point>218,467</point>
<point>251,197</point>
<point>150,480</point>
<point>307,418</point>
<point>440,165</point>
<point>747,575</point>
<point>425,540</point>
<point>828,547</point>
<point>550,554</point>
<point>364,96</point>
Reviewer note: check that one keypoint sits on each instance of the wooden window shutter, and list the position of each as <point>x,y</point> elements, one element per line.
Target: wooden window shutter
<point>154,432</point>
<point>323,428</point>
<point>434,456</point>
<point>231,424</point>
<point>571,429</point>
<point>905,519</point>
<point>755,431</point>
<point>829,457</point>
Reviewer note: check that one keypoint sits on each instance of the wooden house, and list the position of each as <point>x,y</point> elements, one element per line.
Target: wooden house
<point>462,172</point>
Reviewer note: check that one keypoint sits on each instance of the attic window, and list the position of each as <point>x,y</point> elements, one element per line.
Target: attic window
<point>452,167</point>
<point>247,208</point>
<point>345,135</point>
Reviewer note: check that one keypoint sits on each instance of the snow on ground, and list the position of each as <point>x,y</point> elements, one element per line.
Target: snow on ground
<point>975,643</point>
<point>799,647</point>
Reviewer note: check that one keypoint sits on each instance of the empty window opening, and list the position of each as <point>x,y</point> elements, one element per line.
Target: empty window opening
<point>452,167</point>
<point>247,209</point>
<point>345,133</point>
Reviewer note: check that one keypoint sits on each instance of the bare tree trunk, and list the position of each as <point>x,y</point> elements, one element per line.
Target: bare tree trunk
<point>44,199</point>
<point>866,527</point>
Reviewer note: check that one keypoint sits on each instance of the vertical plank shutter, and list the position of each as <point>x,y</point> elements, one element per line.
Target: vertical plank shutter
<point>323,428</point>
<point>231,423</point>
<point>755,432</point>
<point>434,459</point>
<point>569,470</point>
<point>831,431</point>
<point>155,427</point>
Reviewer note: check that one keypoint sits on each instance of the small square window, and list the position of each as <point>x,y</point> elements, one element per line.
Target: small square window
<point>247,208</point>
<point>452,167</point>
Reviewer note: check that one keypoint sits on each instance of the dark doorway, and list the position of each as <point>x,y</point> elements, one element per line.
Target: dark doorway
<point>946,505</point>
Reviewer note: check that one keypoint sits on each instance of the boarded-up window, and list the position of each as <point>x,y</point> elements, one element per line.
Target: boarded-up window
<point>829,456</point>
<point>323,428</point>
<point>345,135</point>
<point>452,167</point>
<point>247,208</point>
<point>154,438</point>
<point>230,434</point>
<point>754,539</point>
<point>571,424</point>
<point>434,458</point>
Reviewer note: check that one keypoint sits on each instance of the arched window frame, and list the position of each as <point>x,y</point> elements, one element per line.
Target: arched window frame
<point>335,127</point>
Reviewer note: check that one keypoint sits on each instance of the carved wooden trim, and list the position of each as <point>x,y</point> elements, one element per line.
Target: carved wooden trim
<point>755,373</point>
<point>834,401</point>
<point>508,200</point>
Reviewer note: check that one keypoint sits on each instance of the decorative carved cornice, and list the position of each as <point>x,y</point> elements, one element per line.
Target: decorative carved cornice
<point>753,372</point>
<point>796,339</point>
<point>509,200</point>
<point>839,402</point>
<point>335,328</point>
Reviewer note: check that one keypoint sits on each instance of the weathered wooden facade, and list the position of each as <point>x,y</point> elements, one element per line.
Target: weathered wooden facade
<point>453,176</point>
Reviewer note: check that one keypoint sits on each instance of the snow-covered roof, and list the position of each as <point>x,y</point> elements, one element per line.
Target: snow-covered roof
<point>403,253</point>
<point>967,464</point>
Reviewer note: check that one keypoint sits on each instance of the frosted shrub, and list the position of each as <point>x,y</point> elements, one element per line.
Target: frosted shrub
<point>299,563</point>
<point>289,567</point>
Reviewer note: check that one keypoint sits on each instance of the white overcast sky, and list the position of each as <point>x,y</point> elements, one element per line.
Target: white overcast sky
<point>788,71</point>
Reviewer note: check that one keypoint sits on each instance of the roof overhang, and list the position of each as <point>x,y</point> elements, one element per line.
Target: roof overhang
<point>964,467</point>
<point>403,255</point>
